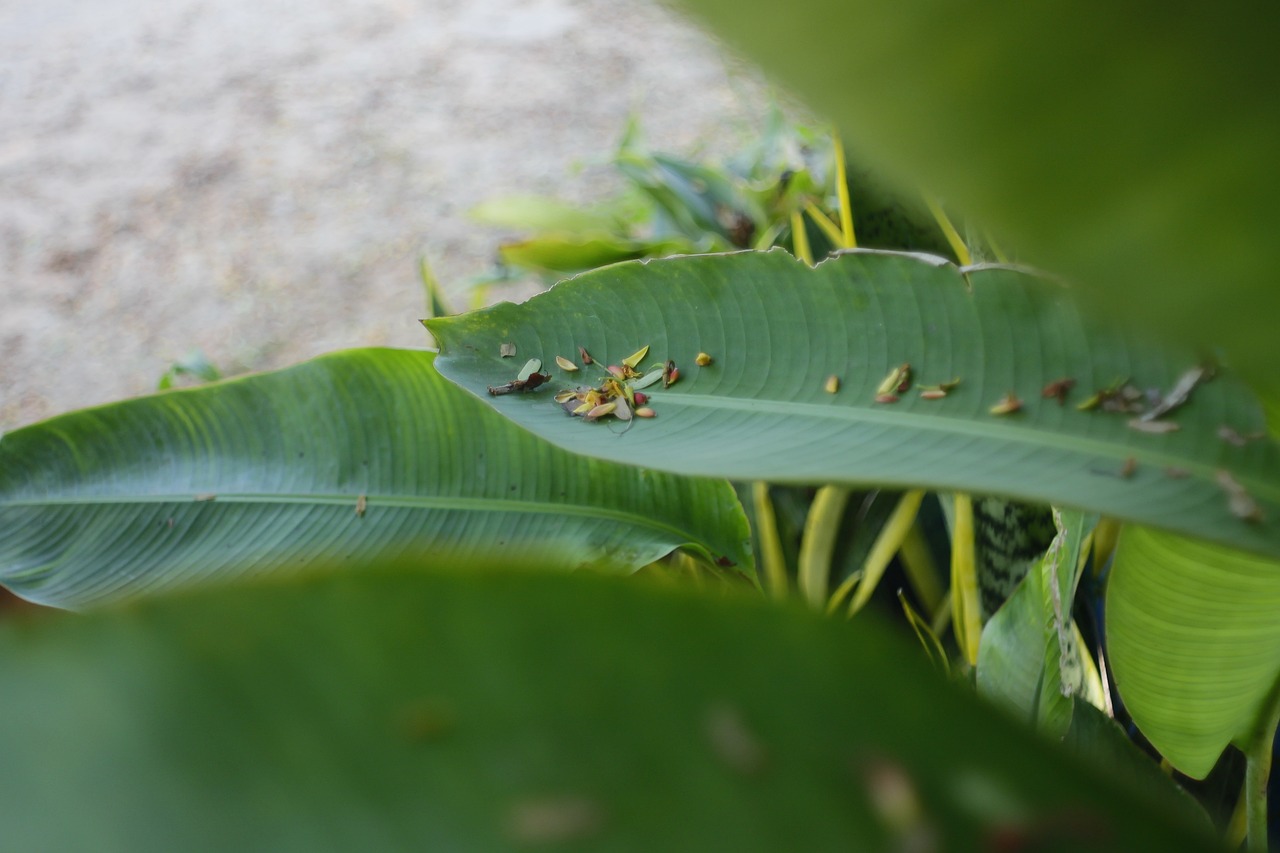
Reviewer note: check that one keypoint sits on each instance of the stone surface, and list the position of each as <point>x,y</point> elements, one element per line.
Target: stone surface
<point>257,178</point>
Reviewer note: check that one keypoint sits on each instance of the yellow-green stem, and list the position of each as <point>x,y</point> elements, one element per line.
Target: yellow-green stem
<point>886,545</point>
<point>964,581</point>
<point>950,232</point>
<point>1258,770</point>
<point>849,241</point>
<point>775,562</point>
<point>920,568</point>
<point>820,529</point>
<point>800,238</point>
<point>825,224</point>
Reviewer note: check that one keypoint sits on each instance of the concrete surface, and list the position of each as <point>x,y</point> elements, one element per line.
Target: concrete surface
<point>257,178</point>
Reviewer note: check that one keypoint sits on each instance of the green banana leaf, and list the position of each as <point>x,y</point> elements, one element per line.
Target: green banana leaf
<point>1141,164</point>
<point>778,329</point>
<point>381,709</point>
<point>361,454</point>
<point>1194,642</point>
<point>1028,658</point>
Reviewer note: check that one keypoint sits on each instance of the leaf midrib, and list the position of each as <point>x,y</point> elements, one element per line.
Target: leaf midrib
<point>373,501</point>
<point>995,428</point>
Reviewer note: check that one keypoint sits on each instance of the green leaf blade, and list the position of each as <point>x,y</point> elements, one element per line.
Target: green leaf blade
<point>1194,642</point>
<point>778,329</point>
<point>357,455</point>
<point>401,709</point>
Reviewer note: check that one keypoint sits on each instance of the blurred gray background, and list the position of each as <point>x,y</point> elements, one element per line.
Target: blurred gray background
<point>257,178</point>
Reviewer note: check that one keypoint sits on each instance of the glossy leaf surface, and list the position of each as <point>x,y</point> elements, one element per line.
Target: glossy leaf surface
<point>1194,642</point>
<point>777,330</point>
<point>359,454</point>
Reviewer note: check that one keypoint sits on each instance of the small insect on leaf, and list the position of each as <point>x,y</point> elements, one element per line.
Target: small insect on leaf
<point>531,367</point>
<point>895,380</point>
<point>362,503</point>
<point>519,386</point>
<point>703,359</point>
<point>565,364</point>
<point>585,356</point>
<point>636,357</point>
<point>506,350</point>
<point>886,398</point>
<point>1058,389</point>
<point>833,384</point>
<point>1006,405</point>
<point>1155,427</point>
<point>645,412</point>
<point>1239,500</point>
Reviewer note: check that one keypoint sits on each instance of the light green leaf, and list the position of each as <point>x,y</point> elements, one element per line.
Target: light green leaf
<point>375,709</point>
<point>1194,642</point>
<point>1147,173</point>
<point>778,329</point>
<point>361,454</point>
<point>1029,659</point>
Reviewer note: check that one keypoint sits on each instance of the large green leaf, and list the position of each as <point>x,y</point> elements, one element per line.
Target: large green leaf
<point>359,454</point>
<point>777,329</point>
<point>1194,642</point>
<point>392,710</point>
<point>1142,163</point>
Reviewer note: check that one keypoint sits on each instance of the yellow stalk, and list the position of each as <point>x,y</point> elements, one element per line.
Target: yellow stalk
<point>964,582</point>
<point>824,222</point>
<point>775,562</point>
<point>920,569</point>
<point>820,529</point>
<point>949,230</point>
<point>886,545</point>
<point>842,193</point>
<point>800,238</point>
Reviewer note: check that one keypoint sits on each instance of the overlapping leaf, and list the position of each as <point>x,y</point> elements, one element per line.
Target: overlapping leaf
<point>355,455</point>
<point>1147,171</point>
<point>777,330</point>
<point>1194,642</point>
<point>380,709</point>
